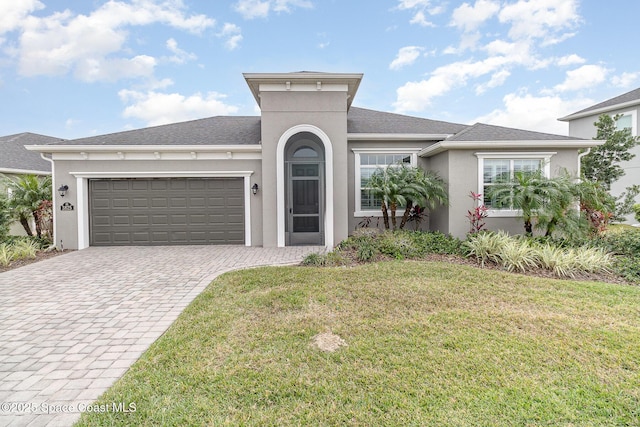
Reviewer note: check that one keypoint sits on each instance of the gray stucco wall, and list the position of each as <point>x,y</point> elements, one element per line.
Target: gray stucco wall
<point>282,111</point>
<point>460,167</point>
<point>398,146</point>
<point>67,221</point>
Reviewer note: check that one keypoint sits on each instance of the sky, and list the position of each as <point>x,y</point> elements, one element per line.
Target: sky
<point>78,68</point>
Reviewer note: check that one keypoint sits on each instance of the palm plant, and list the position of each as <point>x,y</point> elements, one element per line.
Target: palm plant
<point>27,194</point>
<point>399,185</point>
<point>527,192</point>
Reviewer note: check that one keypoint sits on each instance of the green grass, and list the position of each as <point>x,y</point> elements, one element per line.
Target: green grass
<point>427,344</point>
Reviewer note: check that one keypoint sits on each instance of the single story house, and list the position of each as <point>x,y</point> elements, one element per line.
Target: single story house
<point>627,105</point>
<point>16,160</point>
<point>295,175</point>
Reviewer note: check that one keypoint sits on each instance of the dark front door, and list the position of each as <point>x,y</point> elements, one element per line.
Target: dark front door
<point>305,220</point>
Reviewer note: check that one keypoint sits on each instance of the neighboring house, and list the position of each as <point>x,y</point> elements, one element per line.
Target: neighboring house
<point>295,175</point>
<point>581,125</point>
<point>16,160</point>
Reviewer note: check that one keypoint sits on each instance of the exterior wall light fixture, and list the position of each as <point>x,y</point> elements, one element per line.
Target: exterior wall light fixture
<point>63,190</point>
<point>254,189</point>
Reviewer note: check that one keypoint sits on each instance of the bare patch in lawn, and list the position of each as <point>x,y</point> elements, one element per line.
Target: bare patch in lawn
<point>328,341</point>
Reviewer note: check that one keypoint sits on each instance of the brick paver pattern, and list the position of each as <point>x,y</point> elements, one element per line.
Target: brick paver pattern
<point>71,325</point>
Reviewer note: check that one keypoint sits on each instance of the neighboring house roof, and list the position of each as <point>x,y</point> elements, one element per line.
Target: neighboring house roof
<point>628,99</point>
<point>219,130</point>
<point>16,158</point>
<point>482,132</point>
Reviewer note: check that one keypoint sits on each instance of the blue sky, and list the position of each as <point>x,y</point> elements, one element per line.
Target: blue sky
<point>78,68</point>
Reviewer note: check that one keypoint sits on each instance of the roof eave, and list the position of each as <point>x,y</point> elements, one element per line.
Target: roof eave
<point>23,171</point>
<point>443,146</point>
<point>599,111</point>
<point>396,136</point>
<point>58,148</point>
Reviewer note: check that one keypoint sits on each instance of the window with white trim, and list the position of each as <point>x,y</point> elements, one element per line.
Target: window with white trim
<point>498,167</point>
<point>627,120</point>
<point>367,162</point>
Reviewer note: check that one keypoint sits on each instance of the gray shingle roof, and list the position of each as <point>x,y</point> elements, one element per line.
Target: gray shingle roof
<point>246,130</point>
<point>219,130</point>
<point>482,132</point>
<point>16,157</point>
<point>361,120</point>
<point>630,96</point>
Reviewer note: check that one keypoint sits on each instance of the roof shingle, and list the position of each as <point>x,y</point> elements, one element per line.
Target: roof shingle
<point>16,157</point>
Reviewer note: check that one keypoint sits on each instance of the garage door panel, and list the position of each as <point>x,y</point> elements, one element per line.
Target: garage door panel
<point>166,211</point>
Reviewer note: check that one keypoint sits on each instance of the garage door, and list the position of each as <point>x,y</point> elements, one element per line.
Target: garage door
<point>166,211</point>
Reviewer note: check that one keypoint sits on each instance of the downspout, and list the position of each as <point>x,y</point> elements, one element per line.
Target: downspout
<point>580,156</point>
<point>53,197</point>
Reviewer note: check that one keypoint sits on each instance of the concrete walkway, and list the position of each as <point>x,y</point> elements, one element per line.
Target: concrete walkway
<point>71,325</point>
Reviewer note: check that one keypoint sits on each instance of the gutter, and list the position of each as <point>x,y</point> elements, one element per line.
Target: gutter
<point>443,146</point>
<point>53,201</point>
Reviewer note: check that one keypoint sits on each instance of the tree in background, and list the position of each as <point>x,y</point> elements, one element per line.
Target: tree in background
<point>602,164</point>
<point>27,194</point>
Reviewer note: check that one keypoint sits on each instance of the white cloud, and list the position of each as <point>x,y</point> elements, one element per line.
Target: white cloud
<point>251,9</point>
<point>91,46</point>
<point>497,79</point>
<point>421,19</point>
<point>584,77</point>
<point>541,19</point>
<point>421,8</point>
<point>232,34</point>
<point>572,59</point>
<point>12,13</point>
<point>625,79</point>
<point>406,56</point>
<point>156,108</point>
<point>525,111</point>
<point>469,18</point>
<point>524,26</point>
<point>179,56</point>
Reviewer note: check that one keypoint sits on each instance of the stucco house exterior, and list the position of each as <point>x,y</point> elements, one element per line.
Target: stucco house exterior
<point>295,175</point>
<point>581,125</point>
<point>16,160</point>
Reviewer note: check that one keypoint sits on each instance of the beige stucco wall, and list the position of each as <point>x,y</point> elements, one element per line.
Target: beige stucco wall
<point>66,224</point>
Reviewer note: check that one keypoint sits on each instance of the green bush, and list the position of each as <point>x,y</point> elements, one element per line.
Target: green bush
<point>636,211</point>
<point>6,255</point>
<point>25,249</point>
<point>485,246</point>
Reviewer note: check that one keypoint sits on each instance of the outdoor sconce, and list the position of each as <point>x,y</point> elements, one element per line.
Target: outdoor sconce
<point>63,190</point>
<point>254,189</point>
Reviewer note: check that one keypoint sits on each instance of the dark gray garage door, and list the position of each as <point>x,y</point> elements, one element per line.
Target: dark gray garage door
<point>166,211</point>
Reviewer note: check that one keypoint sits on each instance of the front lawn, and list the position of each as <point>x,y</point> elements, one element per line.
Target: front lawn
<point>426,344</point>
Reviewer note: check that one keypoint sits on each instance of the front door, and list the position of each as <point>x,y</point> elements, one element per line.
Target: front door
<point>305,204</point>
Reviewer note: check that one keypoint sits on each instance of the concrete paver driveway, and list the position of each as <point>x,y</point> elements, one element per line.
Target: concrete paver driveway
<point>70,326</point>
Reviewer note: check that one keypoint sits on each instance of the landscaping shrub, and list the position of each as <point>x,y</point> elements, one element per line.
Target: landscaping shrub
<point>25,249</point>
<point>6,256</point>
<point>524,254</point>
<point>517,255</point>
<point>485,246</point>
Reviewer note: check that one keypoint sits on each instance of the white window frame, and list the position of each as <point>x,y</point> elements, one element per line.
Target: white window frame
<point>545,158</point>
<point>411,152</point>
<point>634,121</point>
